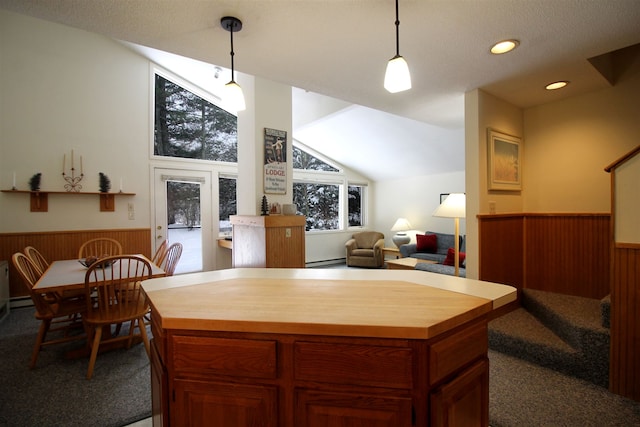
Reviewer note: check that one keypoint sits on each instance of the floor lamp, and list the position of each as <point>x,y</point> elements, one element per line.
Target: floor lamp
<point>454,206</point>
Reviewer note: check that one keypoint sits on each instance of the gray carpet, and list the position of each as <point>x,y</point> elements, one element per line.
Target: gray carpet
<point>522,394</point>
<point>56,392</point>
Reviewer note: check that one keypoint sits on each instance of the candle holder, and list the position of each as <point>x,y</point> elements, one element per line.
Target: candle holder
<point>73,181</point>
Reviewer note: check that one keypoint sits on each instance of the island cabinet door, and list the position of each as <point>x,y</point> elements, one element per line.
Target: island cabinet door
<point>464,401</point>
<point>328,409</point>
<point>205,403</point>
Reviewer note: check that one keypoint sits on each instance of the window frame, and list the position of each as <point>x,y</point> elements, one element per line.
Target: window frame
<point>208,96</point>
<point>339,178</point>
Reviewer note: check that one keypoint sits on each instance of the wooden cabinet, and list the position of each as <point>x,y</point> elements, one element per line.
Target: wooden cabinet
<point>268,241</point>
<point>250,379</point>
<point>331,348</point>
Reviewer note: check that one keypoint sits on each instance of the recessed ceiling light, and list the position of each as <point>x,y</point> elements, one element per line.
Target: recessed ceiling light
<point>556,85</point>
<point>504,46</point>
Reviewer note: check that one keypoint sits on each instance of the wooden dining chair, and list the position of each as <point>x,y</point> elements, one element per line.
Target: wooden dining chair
<point>37,258</point>
<point>161,252</point>
<point>55,315</point>
<point>171,259</point>
<point>117,291</point>
<point>100,247</point>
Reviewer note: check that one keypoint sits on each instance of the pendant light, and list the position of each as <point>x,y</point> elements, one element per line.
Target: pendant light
<point>232,95</point>
<point>397,77</point>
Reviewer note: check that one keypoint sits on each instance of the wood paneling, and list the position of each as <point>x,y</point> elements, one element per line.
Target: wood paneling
<point>501,244</point>
<point>563,253</point>
<point>56,245</point>
<point>624,371</point>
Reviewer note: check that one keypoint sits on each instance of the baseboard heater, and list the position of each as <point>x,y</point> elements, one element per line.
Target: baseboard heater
<point>325,262</point>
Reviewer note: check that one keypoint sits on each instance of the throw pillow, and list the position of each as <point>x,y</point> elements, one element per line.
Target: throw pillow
<point>451,257</point>
<point>426,243</point>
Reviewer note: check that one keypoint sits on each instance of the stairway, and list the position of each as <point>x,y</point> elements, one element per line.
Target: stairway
<point>566,333</point>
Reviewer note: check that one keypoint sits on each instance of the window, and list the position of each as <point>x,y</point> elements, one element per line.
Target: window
<point>227,200</point>
<point>320,203</point>
<point>355,197</point>
<point>305,161</point>
<point>320,192</point>
<point>190,127</point>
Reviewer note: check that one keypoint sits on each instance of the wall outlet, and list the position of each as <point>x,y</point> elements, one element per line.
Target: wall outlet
<point>287,232</point>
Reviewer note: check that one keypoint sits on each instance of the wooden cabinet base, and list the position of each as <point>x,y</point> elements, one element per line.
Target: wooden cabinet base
<point>279,380</point>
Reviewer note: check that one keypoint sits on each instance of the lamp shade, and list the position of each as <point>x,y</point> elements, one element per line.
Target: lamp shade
<point>401,224</point>
<point>397,78</point>
<point>233,96</point>
<point>454,206</point>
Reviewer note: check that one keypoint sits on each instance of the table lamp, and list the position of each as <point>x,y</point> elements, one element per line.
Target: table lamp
<point>400,238</point>
<point>454,206</point>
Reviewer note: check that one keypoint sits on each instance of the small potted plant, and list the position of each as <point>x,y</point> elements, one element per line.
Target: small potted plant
<point>34,182</point>
<point>105,183</point>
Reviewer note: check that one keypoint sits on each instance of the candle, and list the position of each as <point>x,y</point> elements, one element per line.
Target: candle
<point>71,159</point>
<point>64,162</point>
<point>121,184</point>
<point>81,170</point>
<point>14,180</point>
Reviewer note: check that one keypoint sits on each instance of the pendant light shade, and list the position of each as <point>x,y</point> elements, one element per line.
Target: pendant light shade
<point>232,95</point>
<point>397,78</point>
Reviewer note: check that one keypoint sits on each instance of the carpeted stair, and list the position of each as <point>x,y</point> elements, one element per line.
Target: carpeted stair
<point>566,333</point>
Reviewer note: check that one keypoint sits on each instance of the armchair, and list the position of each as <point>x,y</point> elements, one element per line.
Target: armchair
<point>364,249</point>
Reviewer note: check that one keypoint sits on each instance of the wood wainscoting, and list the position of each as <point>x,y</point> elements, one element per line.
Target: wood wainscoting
<point>624,371</point>
<point>56,245</point>
<point>564,253</point>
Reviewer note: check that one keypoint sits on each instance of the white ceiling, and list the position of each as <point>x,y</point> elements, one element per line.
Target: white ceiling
<point>339,48</point>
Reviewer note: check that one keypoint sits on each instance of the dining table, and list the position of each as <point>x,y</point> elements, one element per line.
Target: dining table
<point>69,274</point>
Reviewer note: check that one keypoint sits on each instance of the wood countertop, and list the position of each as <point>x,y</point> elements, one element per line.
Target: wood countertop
<point>338,302</point>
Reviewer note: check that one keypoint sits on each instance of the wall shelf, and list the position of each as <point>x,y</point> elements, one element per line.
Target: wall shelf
<point>40,199</point>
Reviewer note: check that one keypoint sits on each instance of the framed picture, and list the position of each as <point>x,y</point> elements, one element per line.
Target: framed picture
<point>275,161</point>
<point>505,161</point>
<point>443,196</point>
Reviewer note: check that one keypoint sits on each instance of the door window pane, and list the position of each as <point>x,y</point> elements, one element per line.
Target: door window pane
<point>228,206</point>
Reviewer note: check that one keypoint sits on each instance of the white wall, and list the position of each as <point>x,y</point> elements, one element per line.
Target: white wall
<point>569,143</point>
<point>62,89</point>
<point>415,199</point>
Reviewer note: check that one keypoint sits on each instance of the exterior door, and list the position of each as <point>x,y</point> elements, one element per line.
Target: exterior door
<point>183,214</point>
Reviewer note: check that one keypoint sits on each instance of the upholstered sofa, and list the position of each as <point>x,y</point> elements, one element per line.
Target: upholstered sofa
<point>364,249</point>
<point>434,246</point>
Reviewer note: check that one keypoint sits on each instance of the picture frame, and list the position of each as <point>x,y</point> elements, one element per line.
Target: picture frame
<point>275,161</point>
<point>504,161</point>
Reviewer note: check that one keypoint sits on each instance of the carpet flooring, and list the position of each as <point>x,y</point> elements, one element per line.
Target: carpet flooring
<point>56,392</point>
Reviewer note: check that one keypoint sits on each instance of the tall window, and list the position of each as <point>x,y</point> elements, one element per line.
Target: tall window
<point>227,200</point>
<point>191,127</point>
<point>355,196</point>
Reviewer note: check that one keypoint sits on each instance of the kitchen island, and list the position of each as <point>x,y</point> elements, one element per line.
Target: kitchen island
<point>330,347</point>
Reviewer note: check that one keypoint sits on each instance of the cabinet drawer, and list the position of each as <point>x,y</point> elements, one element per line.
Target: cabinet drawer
<point>456,351</point>
<point>377,366</point>
<point>223,356</point>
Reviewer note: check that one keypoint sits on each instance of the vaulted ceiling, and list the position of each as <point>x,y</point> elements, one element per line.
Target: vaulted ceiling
<point>339,49</point>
